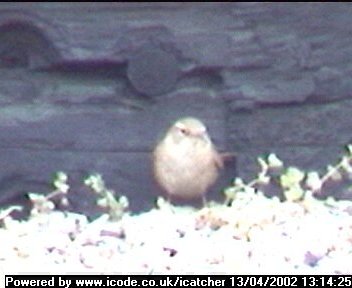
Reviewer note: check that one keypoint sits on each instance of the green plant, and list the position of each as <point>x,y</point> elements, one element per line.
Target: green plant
<point>295,184</point>
<point>116,206</point>
<point>42,204</point>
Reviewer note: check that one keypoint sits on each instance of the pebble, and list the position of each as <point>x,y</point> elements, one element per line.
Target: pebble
<point>255,235</point>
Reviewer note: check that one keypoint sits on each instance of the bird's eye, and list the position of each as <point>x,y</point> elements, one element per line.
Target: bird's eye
<point>184,131</point>
<point>182,128</point>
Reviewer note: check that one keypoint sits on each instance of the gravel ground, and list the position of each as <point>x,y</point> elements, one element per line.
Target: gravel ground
<point>255,235</point>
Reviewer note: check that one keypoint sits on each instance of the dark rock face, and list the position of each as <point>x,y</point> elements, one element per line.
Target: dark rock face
<point>90,87</point>
<point>152,71</point>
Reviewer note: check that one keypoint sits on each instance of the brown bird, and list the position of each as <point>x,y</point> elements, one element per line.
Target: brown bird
<point>186,163</point>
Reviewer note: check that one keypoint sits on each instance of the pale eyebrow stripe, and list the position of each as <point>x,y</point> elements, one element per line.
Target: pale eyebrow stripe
<point>180,125</point>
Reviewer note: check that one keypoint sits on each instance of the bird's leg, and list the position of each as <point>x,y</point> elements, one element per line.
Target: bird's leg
<point>204,201</point>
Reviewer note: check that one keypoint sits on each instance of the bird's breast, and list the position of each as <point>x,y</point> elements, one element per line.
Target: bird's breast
<point>186,170</point>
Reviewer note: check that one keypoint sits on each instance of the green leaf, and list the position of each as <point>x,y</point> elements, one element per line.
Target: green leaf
<point>291,178</point>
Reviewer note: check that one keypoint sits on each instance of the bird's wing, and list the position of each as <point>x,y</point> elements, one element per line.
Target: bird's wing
<point>219,163</point>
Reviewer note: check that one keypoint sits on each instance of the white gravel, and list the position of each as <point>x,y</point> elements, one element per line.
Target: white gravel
<point>256,235</point>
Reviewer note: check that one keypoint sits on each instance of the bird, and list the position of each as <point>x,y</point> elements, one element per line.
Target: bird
<point>185,162</point>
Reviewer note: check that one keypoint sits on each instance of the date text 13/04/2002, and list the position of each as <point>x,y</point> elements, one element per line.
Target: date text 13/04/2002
<point>291,281</point>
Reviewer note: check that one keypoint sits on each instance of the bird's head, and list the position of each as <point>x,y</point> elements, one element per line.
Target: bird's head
<point>189,128</point>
